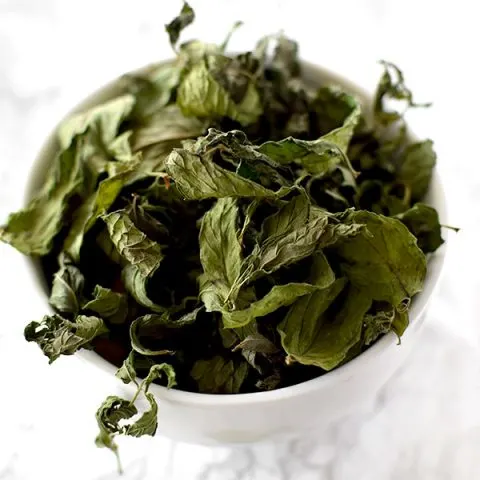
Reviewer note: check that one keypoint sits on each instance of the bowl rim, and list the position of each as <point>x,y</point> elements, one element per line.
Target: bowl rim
<point>436,197</point>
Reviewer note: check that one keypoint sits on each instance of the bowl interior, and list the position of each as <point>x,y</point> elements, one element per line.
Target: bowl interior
<point>314,76</point>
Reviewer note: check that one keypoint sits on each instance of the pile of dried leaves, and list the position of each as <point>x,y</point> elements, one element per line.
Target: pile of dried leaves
<point>225,226</point>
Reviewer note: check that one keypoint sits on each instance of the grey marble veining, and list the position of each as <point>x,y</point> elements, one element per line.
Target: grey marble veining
<point>425,423</point>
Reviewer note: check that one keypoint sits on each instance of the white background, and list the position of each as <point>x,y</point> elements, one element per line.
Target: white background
<point>425,424</point>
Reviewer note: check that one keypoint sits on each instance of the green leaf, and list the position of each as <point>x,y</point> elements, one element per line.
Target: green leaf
<point>400,322</point>
<point>392,87</point>
<point>183,20</point>
<point>285,57</point>
<point>234,28</point>
<point>312,336</point>
<point>132,244</point>
<point>378,323</point>
<point>384,261</point>
<point>234,148</point>
<point>201,95</point>
<point>422,220</point>
<point>57,336</point>
<point>257,343</point>
<point>109,305</point>
<point>198,178</point>
<point>153,88</point>
<point>416,167</point>
<point>136,285</point>
<point>103,121</point>
<point>158,371</point>
<point>342,136</point>
<point>114,411</point>
<point>220,252</point>
<point>332,106</point>
<point>95,206</point>
<point>109,415</point>
<point>135,328</point>
<point>33,229</point>
<point>278,296</point>
<point>166,320</point>
<point>289,217</point>
<point>317,157</point>
<point>166,124</point>
<point>147,423</point>
<point>218,375</point>
<point>127,373</point>
<point>282,295</point>
<point>67,288</point>
<point>283,248</point>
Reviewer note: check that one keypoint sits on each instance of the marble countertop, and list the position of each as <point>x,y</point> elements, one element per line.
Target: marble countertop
<point>425,423</point>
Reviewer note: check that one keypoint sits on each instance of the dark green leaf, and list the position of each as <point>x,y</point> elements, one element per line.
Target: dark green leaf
<point>201,95</point>
<point>198,178</point>
<point>384,261</point>
<point>136,285</point>
<point>132,244</point>
<point>257,343</point>
<point>317,157</point>
<point>422,220</point>
<point>109,414</point>
<point>278,296</point>
<point>155,323</point>
<point>67,288</point>
<point>174,28</point>
<point>392,87</point>
<point>332,106</point>
<point>310,336</point>
<point>218,375</point>
<point>416,168</point>
<point>283,248</point>
<point>97,205</point>
<point>285,57</point>
<point>57,336</point>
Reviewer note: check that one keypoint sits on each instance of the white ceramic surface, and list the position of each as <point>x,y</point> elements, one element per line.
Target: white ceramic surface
<point>288,412</point>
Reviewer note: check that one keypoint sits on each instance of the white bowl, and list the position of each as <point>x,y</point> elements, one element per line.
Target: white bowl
<point>291,411</point>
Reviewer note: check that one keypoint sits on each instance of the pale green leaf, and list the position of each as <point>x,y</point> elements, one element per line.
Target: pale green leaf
<point>104,120</point>
<point>166,124</point>
<point>220,250</point>
<point>33,229</point>
<point>198,177</point>
<point>109,305</point>
<point>200,95</point>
